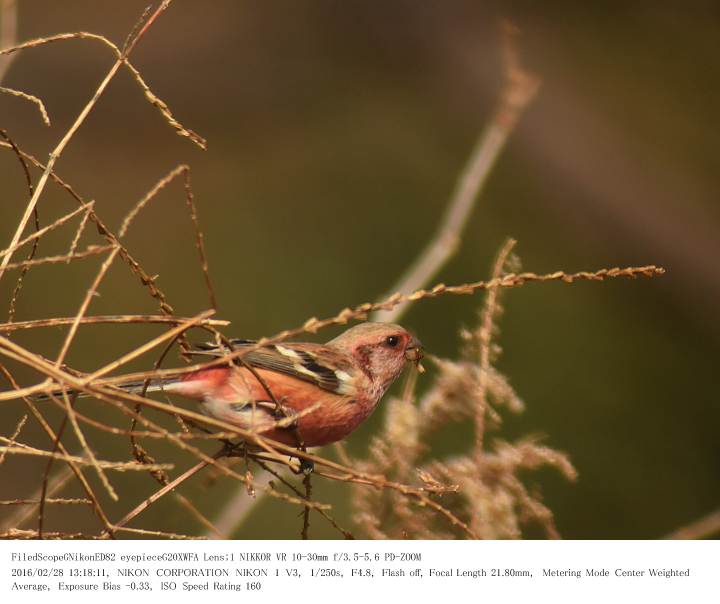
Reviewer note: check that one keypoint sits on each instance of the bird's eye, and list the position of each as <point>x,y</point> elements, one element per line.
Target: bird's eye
<point>392,341</point>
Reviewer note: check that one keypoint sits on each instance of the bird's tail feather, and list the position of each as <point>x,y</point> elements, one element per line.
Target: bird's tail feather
<point>133,387</point>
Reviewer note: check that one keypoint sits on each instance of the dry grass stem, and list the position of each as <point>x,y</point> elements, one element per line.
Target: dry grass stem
<point>41,232</point>
<point>11,441</point>
<point>29,97</point>
<point>110,319</point>
<point>59,501</point>
<point>91,250</point>
<point>118,466</point>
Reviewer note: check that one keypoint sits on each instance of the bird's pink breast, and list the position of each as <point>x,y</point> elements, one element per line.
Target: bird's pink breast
<point>332,418</point>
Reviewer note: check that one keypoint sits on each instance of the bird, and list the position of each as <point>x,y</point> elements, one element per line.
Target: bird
<point>301,394</point>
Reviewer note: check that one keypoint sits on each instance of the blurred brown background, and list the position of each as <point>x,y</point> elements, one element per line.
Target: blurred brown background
<point>336,131</point>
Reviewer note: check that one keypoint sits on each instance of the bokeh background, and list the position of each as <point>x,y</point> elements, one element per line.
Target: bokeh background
<point>336,131</point>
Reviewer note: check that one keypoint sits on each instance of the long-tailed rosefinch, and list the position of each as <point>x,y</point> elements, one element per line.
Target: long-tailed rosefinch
<point>329,388</point>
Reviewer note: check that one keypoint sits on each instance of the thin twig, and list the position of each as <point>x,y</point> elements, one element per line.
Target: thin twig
<point>69,403</point>
<point>183,170</point>
<point>140,350</point>
<point>109,319</point>
<point>91,250</point>
<point>28,97</point>
<point>73,466</point>
<point>41,232</point>
<point>163,491</point>
<point>307,483</point>
<point>80,230</point>
<point>161,184</point>
<point>53,500</point>
<point>36,220</point>
<point>288,484</point>
<point>11,440</point>
<point>118,466</point>
<point>33,534</point>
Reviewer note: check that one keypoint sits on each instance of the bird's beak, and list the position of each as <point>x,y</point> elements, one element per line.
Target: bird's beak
<point>414,351</point>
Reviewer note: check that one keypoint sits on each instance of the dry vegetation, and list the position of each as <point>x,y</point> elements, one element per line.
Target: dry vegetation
<point>400,490</point>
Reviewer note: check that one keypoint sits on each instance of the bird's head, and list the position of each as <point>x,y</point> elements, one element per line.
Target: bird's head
<point>379,349</point>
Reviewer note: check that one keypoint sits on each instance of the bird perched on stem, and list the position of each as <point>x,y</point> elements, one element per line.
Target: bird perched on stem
<point>299,393</point>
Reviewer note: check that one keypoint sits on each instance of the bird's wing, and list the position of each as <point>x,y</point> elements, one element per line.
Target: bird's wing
<point>315,363</point>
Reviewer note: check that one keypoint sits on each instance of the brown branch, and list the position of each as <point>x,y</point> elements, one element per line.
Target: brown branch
<point>141,507</point>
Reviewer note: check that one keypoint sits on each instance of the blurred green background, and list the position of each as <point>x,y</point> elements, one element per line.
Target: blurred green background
<point>336,131</point>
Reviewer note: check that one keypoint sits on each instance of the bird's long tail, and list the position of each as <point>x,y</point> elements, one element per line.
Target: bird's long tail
<point>131,386</point>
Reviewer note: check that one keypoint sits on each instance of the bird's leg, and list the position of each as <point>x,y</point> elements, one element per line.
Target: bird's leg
<point>232,449</point>
<point>307,466</point>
